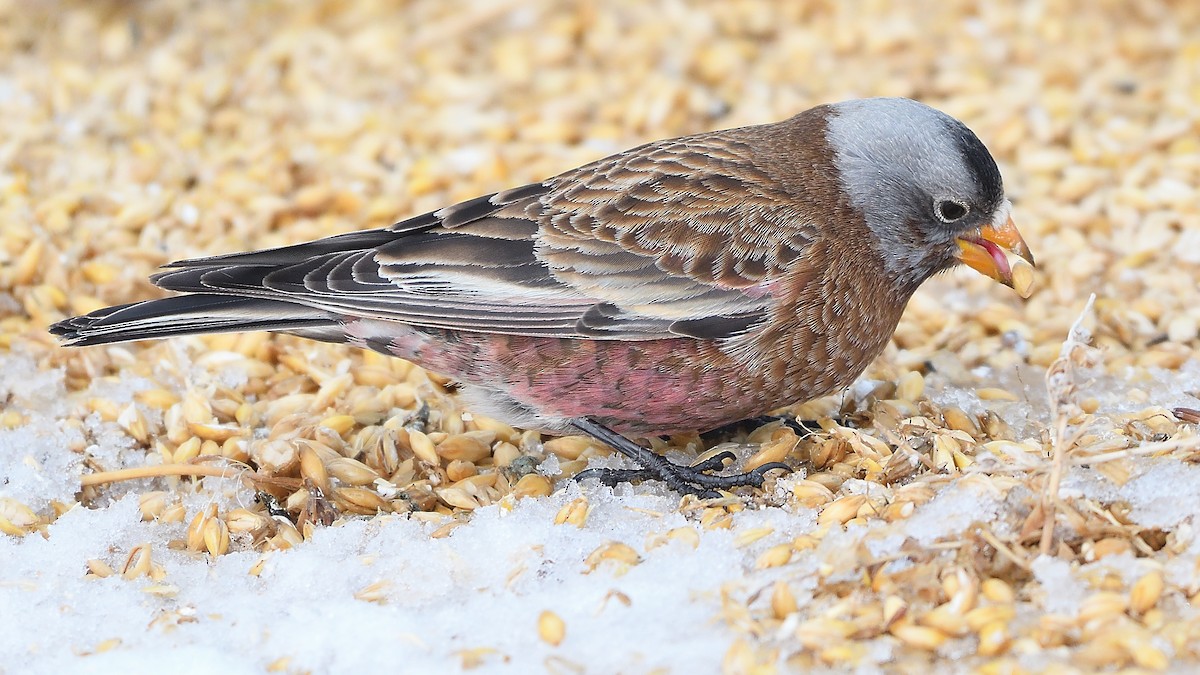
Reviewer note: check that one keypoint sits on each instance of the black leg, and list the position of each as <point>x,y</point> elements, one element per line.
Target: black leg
<point>683,479</point>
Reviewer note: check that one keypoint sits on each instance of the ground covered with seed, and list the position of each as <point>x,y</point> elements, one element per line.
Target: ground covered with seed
<point>1013,489</point>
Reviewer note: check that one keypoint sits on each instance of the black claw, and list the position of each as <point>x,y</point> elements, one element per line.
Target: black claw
<point>683,479</point>
<point>715,462</point>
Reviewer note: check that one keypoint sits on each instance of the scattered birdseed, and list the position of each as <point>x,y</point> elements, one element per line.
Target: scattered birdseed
<point>985,498</point>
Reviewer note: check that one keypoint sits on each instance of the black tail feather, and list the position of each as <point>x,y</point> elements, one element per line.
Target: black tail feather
<point>189,315</point>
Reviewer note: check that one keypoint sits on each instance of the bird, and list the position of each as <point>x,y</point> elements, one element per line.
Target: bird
<point>677,286</point>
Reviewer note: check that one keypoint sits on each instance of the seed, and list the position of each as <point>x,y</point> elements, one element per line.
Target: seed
<point>1022,278</point>
<point>569,447</point>
<point>958,420</point>
<point>272,456</point>
<point>138,562</point>
<point>715,518</point>
<point>551,628</point>
<point>783,602</point>
<point>164,590</point>
<point>898,511</point>
<point>776,556</point>
<point>471,446</point>
<point>841,510</point>
<point>423,448</point>
<point>616,552</point>
<point>152,504</point>
<point>911,386</point>
<point>174,513</point>
<point>504,454</point>
<point>533,485</point>
<point>245,520</point>
<point>312,468</point>
<point>998,591</point>
<point>106,408</point>
<point>376,592</point>
<point>134,423</point>
<point>350,471</point>
<point>981,616</point>
<point>445,530</point>
<point>216,537</point>
<point>811,493</point>
<point>574,513</point>
<point>196,409</point>
<point>500,429</point>
<point>1145,592</point>
<point>1102,606</point>
<point>685,534</point>
<point>365,502</point>
<point>458,470</point>
<point>339,424</point>
<point>919,637</point>
<point>751,535</point>
<point>196,528</point>
<point>1109,546</point>
<point>217,433</point>
<point>457,497</point>
<point>259,565</point>
<point>993,638</point>
<point>946,619</point>
<point>187,451</point>
<point>772,452</point>
<point>895,608</point>
<point>995,394</point>
<point>99,568</point>
<point>16,519</point>
<point>26,267</point>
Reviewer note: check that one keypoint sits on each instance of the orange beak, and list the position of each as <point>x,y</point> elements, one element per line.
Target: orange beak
<point>985,252</point>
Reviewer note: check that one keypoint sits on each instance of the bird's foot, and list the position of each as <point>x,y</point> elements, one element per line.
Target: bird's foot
<point>694,479</point>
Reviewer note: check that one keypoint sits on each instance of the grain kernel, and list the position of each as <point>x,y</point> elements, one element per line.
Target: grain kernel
<point>551,628</point>
<point>1145,592</point>
<point>994,394</point>
<point>993,639</point>
<point>1022,278</point>
<point>533,485</point>
<point>911,386</point>
<point>574,513</point>
<point>616,552</point>
<point>841,510</point>
<point>569,447</point>
<point>422,447</point>
<point>776,556</point>
<point>998,591</point>
<point>783,601</point>
<point>919,637</point>
<point>351,471</point>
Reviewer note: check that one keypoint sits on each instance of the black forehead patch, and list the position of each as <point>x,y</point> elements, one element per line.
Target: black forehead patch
<point>979,161</point>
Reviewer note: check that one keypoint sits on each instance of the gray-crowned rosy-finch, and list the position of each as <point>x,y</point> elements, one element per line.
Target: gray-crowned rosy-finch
<point>681,285</point>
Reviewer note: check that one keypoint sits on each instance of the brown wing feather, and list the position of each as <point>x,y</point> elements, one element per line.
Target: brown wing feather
<point>674,238</point>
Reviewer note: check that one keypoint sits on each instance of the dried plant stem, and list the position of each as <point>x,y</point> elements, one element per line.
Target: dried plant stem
<point>1003,549</point>
<point>1190,443</point>
<point>1060,388</point>
<point>159,471</point>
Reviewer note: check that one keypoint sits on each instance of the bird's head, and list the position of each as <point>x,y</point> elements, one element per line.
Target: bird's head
<point>928,189</point>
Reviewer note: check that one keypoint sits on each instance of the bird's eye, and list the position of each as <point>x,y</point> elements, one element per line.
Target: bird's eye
<point>950,211</point>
